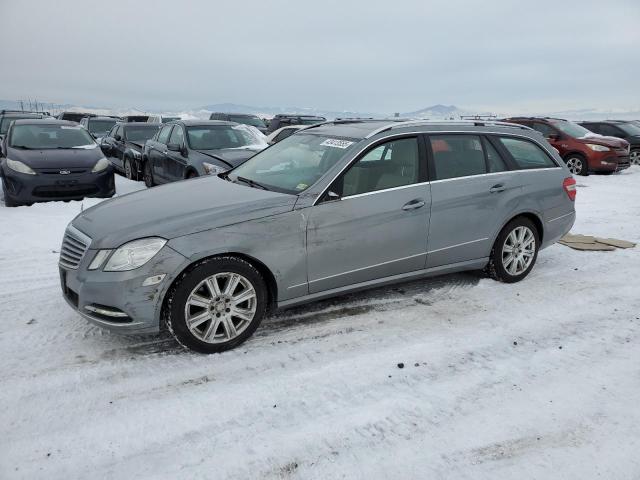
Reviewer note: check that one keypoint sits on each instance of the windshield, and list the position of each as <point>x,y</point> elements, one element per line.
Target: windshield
<point>100,127</point>
<point>6,123</point>
<point>140,134</point>
<point>630,128</point>
<point>295,163</point>
<point>572,129</point>
<point>217,137</point>
<point>170,119</point>
<point>41,137</point>
<point>254,121</point>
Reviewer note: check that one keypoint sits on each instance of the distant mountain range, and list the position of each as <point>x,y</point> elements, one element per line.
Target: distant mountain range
<point>434,112</point>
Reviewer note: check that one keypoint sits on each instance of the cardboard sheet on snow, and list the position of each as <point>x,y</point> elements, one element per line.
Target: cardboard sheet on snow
<point>587,242</point>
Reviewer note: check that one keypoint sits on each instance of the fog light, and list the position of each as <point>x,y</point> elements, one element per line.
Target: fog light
<point>153,280</point>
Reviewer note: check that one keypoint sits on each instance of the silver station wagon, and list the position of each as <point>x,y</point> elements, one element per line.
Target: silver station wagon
<point>336,207</point>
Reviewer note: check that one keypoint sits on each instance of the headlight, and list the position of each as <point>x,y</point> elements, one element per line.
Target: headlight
<point>211,169</point>
<point>598,148</point>
<point>102,164</point>
<point>134,254</point>
<point>20,167</point>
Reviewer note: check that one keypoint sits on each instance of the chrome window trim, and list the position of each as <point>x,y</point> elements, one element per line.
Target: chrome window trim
<point>442,132</point>
<point>357,195</point>
<point>458,245</point>
<point>367,267</point>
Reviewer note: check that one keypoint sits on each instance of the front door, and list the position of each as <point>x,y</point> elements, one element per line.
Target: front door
<point>175,162</point>
<point>378,227</point>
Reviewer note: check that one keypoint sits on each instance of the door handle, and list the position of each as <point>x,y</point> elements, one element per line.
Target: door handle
<point>497,188</point>
<point>413,204</point>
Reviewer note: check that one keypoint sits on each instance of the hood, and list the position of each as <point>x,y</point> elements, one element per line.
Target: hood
<point>232,156</point>
<point>612,142</point>
<point>178,209</point>
<point>57,158</point>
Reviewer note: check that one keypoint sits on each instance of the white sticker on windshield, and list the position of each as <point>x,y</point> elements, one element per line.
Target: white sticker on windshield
<point>334,142</point>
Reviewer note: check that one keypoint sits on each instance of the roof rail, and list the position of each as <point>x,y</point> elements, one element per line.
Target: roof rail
<point>477,123</point>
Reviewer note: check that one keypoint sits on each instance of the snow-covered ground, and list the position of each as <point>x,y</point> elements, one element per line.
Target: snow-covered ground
<point>536,380</point>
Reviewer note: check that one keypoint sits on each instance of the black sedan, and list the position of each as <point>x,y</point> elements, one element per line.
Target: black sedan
<point>191,148</point>
<point>123,146</point>
<point>52,160</point>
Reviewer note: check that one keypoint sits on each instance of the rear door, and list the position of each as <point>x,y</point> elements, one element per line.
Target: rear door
<point>378,225</point>
<point>471,186</point>
<point>157,153</point>
<point>119,146</point>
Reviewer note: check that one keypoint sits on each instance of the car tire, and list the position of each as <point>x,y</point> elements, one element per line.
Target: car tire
<point>200,311</point>
<point>147,174</point>
<point>634,156</point>
<point>128,168</point>
<point>8,201</point>
<point>577,164</point>
<point>513,254</point>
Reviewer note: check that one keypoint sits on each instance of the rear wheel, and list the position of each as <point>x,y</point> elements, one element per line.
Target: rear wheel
<point>128,169</point>
<point>577,164</point>
<point>634,156</point>
<point>216,305</point>
<point>147,174</point>
<point>515,251</point>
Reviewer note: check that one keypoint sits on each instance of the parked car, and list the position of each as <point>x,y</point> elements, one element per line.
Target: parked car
<point>582,150</point>
<point>332,209</point>
<point>98,127</point>
<point>280,121</point>
<point>7,117</point>
<point>283,133</point>
<point>135,118</point>
<point>123,146</point>
<point>51,159</point>
<point>242,118</point>
<point>74,116</point>
<point>191,148</point>
<point>161,119</point>
<point>626,130</point>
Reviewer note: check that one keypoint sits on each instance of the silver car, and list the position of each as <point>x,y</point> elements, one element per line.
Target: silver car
<point>336,207</point>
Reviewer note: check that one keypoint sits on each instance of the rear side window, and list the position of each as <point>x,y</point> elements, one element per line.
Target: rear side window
<point>495,163</point>
<point>544,129</point>
<point>163,136</point>
<point>526,154</point>
<point>458,156</point>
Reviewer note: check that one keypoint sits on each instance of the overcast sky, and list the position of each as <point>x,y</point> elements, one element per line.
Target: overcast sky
<point>342,55</point>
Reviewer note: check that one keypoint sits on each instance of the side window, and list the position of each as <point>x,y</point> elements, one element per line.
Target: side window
<point>593,127</point>
<point>495,163</point>
<point>458,156</point>
<point>177,136</point>
<point>163,136</point>
<point>609,130</point>
<point>118,131</point>
<point>399,165</point>
<point>527,154</point>
<point>544,129</point>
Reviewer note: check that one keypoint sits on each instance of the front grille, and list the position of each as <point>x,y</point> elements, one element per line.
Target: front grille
<point>61,191</point>
<point>74,246</point>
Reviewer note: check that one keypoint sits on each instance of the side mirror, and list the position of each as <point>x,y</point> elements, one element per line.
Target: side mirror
<point>173,147</point>
<point>331,196</point>
<point>118,137</point>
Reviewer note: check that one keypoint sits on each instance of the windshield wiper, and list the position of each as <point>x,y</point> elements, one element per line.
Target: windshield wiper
<point>252,183</point>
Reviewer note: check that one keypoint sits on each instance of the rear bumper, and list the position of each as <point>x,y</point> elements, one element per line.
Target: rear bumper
<point>25,188</point>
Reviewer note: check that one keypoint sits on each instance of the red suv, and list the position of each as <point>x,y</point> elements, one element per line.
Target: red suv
<point>583,151</point>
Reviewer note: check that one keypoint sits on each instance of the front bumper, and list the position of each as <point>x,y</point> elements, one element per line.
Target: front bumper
<point>138,308</point>
<point>612,161</point>
<point>43,187</point>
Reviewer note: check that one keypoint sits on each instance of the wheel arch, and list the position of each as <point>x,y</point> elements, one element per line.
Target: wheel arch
<point>267,275</point>
<point>534,217</point>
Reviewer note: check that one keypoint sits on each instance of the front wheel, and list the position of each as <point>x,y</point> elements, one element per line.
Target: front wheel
<point>128,169</point>
<point>147,174</point>
<point>514,252</point>
<point>577,165</point>
<point>634,156</point>
<point>216,305</point>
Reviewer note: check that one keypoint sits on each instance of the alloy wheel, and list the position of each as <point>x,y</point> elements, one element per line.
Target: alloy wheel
<point>574,164</point>
<point>518,250</point>
<point>634,157</point>
<point>220,307</point>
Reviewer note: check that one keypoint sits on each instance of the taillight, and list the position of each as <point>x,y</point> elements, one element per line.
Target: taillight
<point>569,185</point>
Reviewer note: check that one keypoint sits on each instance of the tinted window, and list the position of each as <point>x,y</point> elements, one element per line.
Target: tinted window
<point>163,136</point>
<point>495,163</point>
<point>527,154</point>
<point>247,120</point>
<point>544,129</point>
<point>457,156</point>
<point>609,130</point>
<point>177,136</point>
<point>284,134</point>
<point>118,131</point>
<point>139,134</point>
<point>7,121</point>
<point>99,126</point>
<point>389,165</point>
<point>216,137</point>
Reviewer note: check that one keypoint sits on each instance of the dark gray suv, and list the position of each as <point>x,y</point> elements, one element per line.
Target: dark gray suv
<point>334,208</point>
